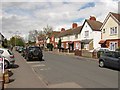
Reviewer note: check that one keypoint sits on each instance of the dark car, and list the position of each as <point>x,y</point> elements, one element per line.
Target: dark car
<point>33,52</point>
<point>110,59</point>
<point>23,53</point>
<point>20,49</point>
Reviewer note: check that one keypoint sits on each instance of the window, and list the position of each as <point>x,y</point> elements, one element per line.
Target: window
<point>62,45</point>
<point>113,46</point>
<point>77,45</point>
<point>1,51</point>
<point>113,30</point>
<point>68,37</point>
<point>76,36</point>
<point>86,33</point>
<point>10,52</point>
<point>66,45</point>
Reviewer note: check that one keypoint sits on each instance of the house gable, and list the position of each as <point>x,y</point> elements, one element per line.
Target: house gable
<point>115,17</point>
<point>85,27</point>
<point>91,32</point>
<point>110,22</point>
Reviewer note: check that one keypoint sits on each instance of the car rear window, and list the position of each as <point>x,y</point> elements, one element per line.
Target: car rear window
<point>10,52</point>
<point>1,51</point>
<point>34,48</point>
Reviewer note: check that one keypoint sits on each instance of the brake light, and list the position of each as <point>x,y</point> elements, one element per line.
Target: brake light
<point>1,59</point>
<point>12,56</point>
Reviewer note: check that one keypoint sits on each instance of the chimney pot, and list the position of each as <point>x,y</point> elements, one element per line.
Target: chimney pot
<point>74,25</point>
<point>92,18</point>
<point>62,29</point>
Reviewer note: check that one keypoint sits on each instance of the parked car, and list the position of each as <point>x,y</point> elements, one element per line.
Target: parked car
<point>17,48</point>
<point>33,52</point>
<point>110,59</point>
<point>9,57</point>
<point>20,49</point>
<point>23,53</point>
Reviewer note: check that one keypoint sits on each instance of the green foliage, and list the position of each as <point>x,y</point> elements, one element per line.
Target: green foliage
<point>118,49</point>
<point>59,44</point>
<point>17,41</point>
<point>12,41</point>
<point>50,46</point>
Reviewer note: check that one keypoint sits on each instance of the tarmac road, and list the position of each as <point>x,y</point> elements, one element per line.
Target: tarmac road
<point>72,72</point>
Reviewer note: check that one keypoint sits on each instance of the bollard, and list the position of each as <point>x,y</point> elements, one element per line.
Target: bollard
<point>6,77</point>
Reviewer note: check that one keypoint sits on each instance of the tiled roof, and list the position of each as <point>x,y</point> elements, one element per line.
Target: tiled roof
<point>116,15</point>
<point>70,31</point>
<point>54,33</point>
<point>95,25</point>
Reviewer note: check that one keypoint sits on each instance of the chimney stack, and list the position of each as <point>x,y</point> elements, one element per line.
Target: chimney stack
<point>62,29</point>
<point>74,25</point>
<point>92,18</point>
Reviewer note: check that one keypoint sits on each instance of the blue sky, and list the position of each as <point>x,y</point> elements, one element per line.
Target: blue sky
<point>25,16</point>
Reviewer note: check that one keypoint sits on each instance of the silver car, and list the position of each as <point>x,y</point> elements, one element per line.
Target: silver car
<point>9,57</point>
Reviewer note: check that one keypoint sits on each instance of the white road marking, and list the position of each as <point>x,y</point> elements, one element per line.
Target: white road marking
<point>33,62</point>
<point>44,69</point>
<point>65,85</point>
<point>38,65</point>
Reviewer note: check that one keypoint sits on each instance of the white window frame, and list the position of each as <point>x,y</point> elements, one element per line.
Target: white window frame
<point>115,46</point>
<point>113,30</point>
<point>87,35</point>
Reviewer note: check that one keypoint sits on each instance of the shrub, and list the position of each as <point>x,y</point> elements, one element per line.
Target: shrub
<point>118,49</point>
<point>50,46</point>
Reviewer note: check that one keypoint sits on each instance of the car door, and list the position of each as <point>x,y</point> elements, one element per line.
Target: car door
<point>107,58</point>
<point>113,60</point>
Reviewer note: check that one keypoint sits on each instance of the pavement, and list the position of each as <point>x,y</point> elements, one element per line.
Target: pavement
<point>22,75</point>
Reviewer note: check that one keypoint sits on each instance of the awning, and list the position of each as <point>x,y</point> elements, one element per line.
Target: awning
<point>102,41</point>
<point>86,41</point>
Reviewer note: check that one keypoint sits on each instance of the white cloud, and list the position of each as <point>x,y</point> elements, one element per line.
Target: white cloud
<point>24,16</point>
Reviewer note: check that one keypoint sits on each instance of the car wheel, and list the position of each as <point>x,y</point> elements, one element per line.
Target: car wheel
<point>6,64</point>
<point>101,64</point>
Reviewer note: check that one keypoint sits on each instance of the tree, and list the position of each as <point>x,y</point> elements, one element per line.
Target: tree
<point>12,41</point>
<point>47,31</point>
<point>20,42</point>
<point>32,36</point>
<point>17,41</point>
